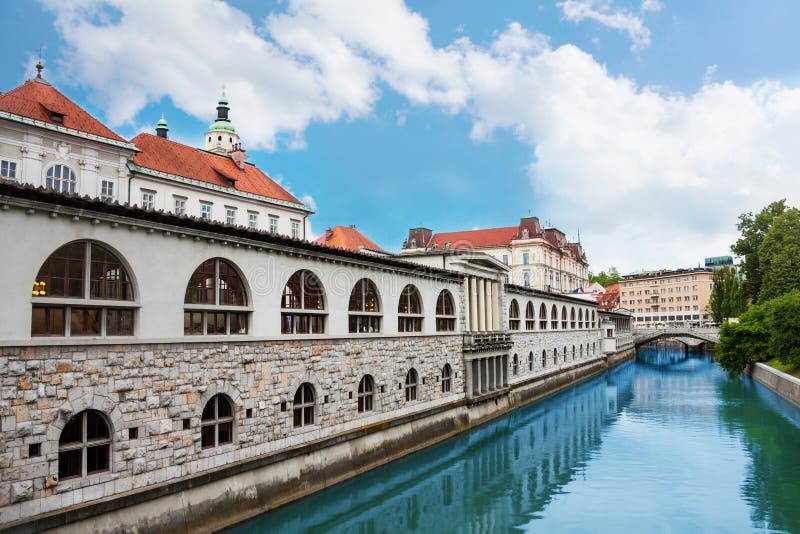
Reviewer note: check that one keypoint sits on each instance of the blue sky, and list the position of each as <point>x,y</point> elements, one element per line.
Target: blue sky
<point>648,126</point>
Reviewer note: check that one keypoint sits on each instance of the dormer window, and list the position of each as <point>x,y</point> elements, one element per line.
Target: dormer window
<point>525,233</point>
<point>57,117</point>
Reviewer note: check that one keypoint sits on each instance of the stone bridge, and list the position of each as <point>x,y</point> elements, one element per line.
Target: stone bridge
<point>648,335</point>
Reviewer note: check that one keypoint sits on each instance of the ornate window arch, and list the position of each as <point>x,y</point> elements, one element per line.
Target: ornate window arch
<point>215,296</point>
<point>445,312</point>
<point>554,317</point>
<point>563,317</point>
<point>83,289</point>
<point>366,393</point>
<point>542,316</point>
<point>216,423</point>
<point>304,405</point>
<point>447,378</point>
<point>84,446</point>
<point>411,385</point>
<point>572,318</point>
<point>61,178</point>
<point>580,318</point>
<point>303,304</point>
<point>513,315</point>
<point>365,308</point>
<point>409,310</point>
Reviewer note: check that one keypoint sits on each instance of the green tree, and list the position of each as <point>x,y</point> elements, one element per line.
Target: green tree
<point>779,256</point>
<point>726,296</point>
<point>746,341</point>
<point>754,228</point>
<point>606,279</point>
<point>784,341</point>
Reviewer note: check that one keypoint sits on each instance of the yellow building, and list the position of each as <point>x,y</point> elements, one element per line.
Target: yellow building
<point>678,296</point>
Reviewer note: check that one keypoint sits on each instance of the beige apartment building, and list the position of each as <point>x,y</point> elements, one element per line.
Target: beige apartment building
<point>678,296</point>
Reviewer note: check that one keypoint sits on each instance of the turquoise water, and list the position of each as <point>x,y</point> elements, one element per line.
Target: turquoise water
<point>667,444</point>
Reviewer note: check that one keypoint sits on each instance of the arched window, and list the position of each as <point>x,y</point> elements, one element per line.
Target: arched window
<point>447,373</point>
<point>515,365</point>
<point>563,317</point>
<point>573,353</point>
<point>513,315</point>
<point>593,321</point>
<point>565,354</point>
<point>61,178</point>
<point>411,385</point>
<point>572,318</point>
<point>216,423</point>
<point>303,405</point>
<point>554,317</point>
<point>580,352</point>
<point>217,283</point>
<point>366,390</point>
<point>544,359</point>
<point>445,312</point>
<point>364,307</point>
<point>542,317</point>
<point>304,293</point>
<point>594,349</point>
<point>409,310</point>
<point>84,447</point>
<point>530,317</point>
<point>530,361</point>
<point>580,318</point>
<point>555,356</point>
<point>82,273</point>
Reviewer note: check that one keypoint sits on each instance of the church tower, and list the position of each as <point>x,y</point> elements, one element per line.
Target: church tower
<point>221,136</point>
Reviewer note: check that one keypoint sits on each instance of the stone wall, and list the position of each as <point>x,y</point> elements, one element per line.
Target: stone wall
<point>157,389</point>
<point>553,343</point>
<point>785,385</point>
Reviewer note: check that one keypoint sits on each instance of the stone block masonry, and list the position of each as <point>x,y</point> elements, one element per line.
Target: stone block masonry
<point>153,396</point>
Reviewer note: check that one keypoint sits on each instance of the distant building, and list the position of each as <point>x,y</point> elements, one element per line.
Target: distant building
<point>719,261</point>
<point>677,296</point>
<point>349,238</point>
<point>609,299</point>
<point>540,258</point>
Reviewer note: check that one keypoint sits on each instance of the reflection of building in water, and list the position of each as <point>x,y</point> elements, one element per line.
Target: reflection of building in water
<point>496,476</point>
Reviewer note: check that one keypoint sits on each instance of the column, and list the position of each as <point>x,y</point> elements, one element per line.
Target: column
<point>473,304</point>
<point>496,305</point>
<point>481,305</point>
<point>467,324</point>
<point>491,374</point>
<point>484,375</point>
<point>489,307</point>
<point>475,375</point>
<point>505,370</point>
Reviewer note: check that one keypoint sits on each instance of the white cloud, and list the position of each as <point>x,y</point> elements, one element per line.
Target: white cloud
<point>653,179</point>
<point>601,12</point>
<point>708,75</point>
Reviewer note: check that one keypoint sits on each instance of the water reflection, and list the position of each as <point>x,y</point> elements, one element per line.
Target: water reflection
<point>666,444</point>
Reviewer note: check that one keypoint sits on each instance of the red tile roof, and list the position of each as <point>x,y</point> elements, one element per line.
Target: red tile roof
<point>348,238</point>
<point>474,238</point>
<point>164,155</point>
<point>610,299</point>
<point>36,99</point>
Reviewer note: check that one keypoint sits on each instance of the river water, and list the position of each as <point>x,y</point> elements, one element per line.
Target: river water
<point>667,443</point>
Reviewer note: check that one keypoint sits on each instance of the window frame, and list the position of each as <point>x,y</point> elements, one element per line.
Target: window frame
<point>305,407</point>
<point>8,163</point>
<point>85,444</point>
<point>447,378</point>
<point>366,394</point>
<point>199,316</point>
<point>56,183</point>
<point>216,421</point>
<point>407,319</point>
<point>292,316</point>
<point>445,322</point>
<point>359,318</point>
<point>410,385</point>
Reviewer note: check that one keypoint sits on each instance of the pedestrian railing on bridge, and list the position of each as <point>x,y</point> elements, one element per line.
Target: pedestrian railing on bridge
<point>704,335</point>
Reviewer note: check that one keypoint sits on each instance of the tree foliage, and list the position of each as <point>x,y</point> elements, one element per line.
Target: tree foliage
<point>784,341</point>
<point>754,228</point>
<point>779,256</point>
<point>746,341</point>
<point>606,279</point>
<point>727,299</point>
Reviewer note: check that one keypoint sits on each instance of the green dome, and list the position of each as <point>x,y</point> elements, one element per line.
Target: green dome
<point>162,123</point>
<point>222,126</point>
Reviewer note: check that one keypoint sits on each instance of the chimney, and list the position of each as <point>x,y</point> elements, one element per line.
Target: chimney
<point>238,155</point>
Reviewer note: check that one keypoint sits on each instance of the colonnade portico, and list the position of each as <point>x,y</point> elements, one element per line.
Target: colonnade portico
<point>487,374</point>
<point>481,304</point>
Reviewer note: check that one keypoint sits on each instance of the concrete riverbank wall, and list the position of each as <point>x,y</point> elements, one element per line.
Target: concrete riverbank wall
<point>234,492</point>
<point>781,383</point>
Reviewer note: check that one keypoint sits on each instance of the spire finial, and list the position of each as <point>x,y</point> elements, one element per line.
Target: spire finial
<point>39,65</point>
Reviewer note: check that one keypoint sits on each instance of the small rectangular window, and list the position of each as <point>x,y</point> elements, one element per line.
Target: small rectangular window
<point>295,229</point>
<point>148,200</point>
<point>106,190</point>
<point>187,424</point>
<point>252,220</point>
<point>230,215</point>
<point>205,211</point>
<point>525,258</point>
<point>180,205</point>
<point>505,259</point>
<point>47,321</point>
<point>34,450</point>
<point>133,432</point>
<point>8,170</point>
<point>273,224</point>
<point>249,413</point>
